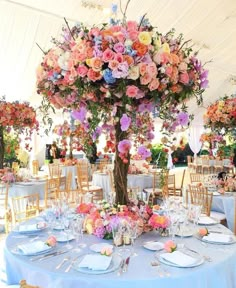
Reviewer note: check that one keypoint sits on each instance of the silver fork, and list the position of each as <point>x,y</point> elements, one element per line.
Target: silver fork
<point>71,264</point>
<point>62,262</point>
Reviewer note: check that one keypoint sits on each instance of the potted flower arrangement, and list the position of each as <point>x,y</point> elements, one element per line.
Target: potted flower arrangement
<point>114,76</point>
<point>20,117</point>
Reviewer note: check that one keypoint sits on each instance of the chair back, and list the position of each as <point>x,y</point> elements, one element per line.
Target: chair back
<point>51,190</point>
<point>54,170</point>
<point>4,207</point>
<point>35,167</point>
<point>195,178</point>
<point>83,175</point>
<point>199,195</point>
<point>133,192</point>
<point>171,185</point>
<point>25,207</point>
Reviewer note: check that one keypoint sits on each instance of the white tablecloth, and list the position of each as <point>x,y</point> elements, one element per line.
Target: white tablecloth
<point>141,180</point>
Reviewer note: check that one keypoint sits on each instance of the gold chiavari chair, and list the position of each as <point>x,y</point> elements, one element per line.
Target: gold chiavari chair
<point>54,170</point>
<point>65,186</point>
<point>196,178</point>
<point>25,207</point>
<point>50,192</point>
<point>35,167</point>
<point>171,190</point>
<point>179,188</point>
<point>200,196</point>
<point>5,209</point>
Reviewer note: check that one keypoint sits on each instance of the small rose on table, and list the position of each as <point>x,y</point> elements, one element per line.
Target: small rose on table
<point>106,251</point>
<point>51,241</point>
<point>203,232</point>
<point>170,246</point>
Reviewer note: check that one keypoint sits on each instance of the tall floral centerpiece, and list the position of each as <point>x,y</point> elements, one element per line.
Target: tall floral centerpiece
<point>20,117</point>
<point>113,76</point>
<point>221,115</point>
<point>211,138</point>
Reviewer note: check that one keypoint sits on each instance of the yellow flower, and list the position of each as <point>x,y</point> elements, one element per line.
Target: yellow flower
<point>88,62</point>
<point>157,43</point>
<point>89,228</point>
<point>145,38</point>
<point>165,47</point>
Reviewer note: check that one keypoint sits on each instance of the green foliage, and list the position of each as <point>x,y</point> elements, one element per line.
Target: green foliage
<point>11,144</point>
<point>159,155</point>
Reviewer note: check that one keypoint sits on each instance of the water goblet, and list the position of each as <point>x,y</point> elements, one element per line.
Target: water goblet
<point>67,224</point>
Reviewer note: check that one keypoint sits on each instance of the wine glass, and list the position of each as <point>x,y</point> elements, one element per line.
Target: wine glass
<point>133,231</point>
<point>67,224</point>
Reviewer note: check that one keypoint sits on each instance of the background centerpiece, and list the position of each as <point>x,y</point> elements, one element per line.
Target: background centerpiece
<point>18,117</point>
<point>113,76</point>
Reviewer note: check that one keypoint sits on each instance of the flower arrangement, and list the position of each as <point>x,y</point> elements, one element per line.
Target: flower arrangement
<point>211,137</point>
<point>221,115</point>
<point>114,76</point>
<point>51,241</point>
<point>7,176</point>
<point>102,219</point>
<point>170,246</point>
<point>159,221</point>
<point>19,117</point>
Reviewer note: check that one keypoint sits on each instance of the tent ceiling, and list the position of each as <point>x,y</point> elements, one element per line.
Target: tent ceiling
<point>211,24</point>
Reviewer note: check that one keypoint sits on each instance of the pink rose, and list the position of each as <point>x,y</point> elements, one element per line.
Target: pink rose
<point>82,70</point>
<point>170,246</point>
<point>145,79</point>
<point>132,91</point>
<point>154,84</point>
<point>51,241</point>
<point>108,55</point>
<point>107,251</point>
<point>184,78</point>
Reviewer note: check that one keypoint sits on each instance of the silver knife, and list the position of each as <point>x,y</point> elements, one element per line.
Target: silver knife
<point>42,257</point>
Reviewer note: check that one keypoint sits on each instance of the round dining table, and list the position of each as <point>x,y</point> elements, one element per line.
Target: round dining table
<point>226,203</point>
<point>134,180</point>
<point>217,269</point>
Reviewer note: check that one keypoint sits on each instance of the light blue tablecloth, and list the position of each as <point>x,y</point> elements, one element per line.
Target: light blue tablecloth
<point>221,272</point>
<point>225,204</point>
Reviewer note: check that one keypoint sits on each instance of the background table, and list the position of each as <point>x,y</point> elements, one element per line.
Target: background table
<point>140,180</point>
<point>27,188</point>
<point>225,204</point>
<point>221,272</point>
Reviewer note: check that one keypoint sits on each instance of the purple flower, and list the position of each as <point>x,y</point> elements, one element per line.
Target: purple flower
<point>96,133</point>
<point>79,114</point>
<point>100,231</point>
<point>150,135</point>
<point>125,122</point>
<point>183,118</point>
<point>144,152</point>
<point>121,71</point>
<point>119,48</point>
<point>145,107</point>
<point>124,146</point>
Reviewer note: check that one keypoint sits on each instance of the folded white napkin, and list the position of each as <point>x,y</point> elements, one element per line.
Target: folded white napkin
<point>28,227</point>
<point>216,237</point>
<point>99,246</point>
<point>33,247</point>
<point>32,227</point>
<point>95,262</point>
<point>206,220</point>
<point>179,258</point>
<point>215,193</point>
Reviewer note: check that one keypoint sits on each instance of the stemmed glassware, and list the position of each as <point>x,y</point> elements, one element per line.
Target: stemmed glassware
<point>133,233</point>
<point>78,233</point>
<point>67,224</point>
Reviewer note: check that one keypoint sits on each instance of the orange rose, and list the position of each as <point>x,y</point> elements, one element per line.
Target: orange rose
<point>140,48</point>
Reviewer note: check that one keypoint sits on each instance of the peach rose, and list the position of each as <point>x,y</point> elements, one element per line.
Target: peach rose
<point>170,246</point>
<point>107,251</point>
<point>203,232</point>
<point>51,241</point>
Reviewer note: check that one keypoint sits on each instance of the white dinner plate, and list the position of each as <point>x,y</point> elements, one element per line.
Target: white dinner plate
<point>114,265</point>
<point>186,233</point>
<point>26,231</point>
<point>17,251</point>
<point>99,246</point>
<point>199,261</point>
<point>153,245</point>
<point>63,238</point>
<point>207,221</point>
<point>215,242</point>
